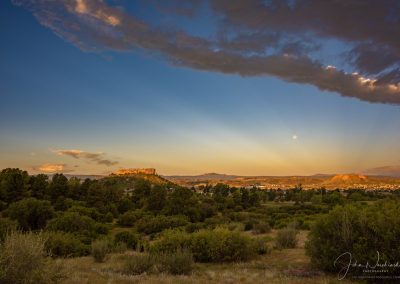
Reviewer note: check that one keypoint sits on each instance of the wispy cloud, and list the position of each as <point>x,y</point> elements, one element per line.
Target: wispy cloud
<point>384,171</point>
<point>52,168</point>
<point>254,38</point>
<point>96,157</point>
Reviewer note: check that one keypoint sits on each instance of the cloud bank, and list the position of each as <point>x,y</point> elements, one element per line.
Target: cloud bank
<point>252,38</point>
<point>97,158</point>
<point>385,171</point>
<point>52,168</point>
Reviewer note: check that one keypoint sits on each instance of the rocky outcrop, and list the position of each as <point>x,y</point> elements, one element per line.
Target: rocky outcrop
<point>148,171</point>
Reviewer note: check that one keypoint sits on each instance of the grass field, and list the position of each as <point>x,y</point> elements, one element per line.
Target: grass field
<point>279,266</point>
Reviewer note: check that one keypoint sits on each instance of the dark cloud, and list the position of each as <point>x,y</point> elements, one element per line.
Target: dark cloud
<point>92,157</point>
<point>373,27</point>
<point>254,38</point>
<point>187,8</point>
<point>391,77</point>
<point>372,58</point>
<point>352,20</point>
<point>248,42</point>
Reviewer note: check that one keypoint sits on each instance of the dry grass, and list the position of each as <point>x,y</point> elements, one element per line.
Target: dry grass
<point>23,259</point>
<point>285,266</point>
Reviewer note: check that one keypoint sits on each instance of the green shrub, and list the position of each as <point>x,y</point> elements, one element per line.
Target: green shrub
<point>86,211</point>
<point>143,245</point>
<point>100,249</point>
<point>130,239</point>
<point>65,245</point>
<point>261,228</point>
<point>23,260</point>
<point>220,245</point>
<point>130,217</point>
<point>239,216</point>
<point>216,221</point>
<point>176,263</point>
<point>360,230</point>
<point>260,246</point>
<point>235,226</point>
<point>109,217</point>
<point>6,226</point>
<point>31,214</point>
<point>159,223</point>
<point>248,225</point>
<point>3,205</point>
<point>101,229</point>
<point>73,222</point>
<point>286,238</point>
<point>138,263</point>
<point>193,227</point>
<point>171,241</point>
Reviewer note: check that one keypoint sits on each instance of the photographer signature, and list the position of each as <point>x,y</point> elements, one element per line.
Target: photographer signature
<point>345,261</point>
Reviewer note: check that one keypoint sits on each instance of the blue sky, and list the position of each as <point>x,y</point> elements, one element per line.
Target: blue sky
<point>136,109</point>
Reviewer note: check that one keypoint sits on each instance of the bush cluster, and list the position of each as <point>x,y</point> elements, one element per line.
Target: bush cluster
<point>219,245</point>
<point>73,222</point>
<point>65,244</point>
<point>90,212</point>
<point>129,218</point>
<point>360,230</point>
<point>131,240</point>
<point>261,228</point>
<point>171,241</point>
<point>159,223</point>
<point>31,214</point>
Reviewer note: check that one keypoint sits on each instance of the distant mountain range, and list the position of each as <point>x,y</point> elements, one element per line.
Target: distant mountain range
<point>314,181</point>
<point>393,171</point>
<point>328,181</point>
<point>207,176</point>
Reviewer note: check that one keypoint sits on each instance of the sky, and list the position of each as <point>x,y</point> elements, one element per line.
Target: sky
<point>245,87</point>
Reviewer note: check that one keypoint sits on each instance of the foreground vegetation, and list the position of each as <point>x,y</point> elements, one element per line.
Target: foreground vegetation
<point>144,228</point>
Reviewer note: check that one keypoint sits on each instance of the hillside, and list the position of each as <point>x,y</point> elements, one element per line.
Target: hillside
<point>348,179</point>
<point>130,179</point>
<point>287,182</point>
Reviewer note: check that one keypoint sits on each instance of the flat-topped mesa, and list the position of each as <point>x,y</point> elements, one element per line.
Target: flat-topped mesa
<point>148,171</point>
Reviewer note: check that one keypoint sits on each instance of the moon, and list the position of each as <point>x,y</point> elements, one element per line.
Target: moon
<point>294,137</point>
